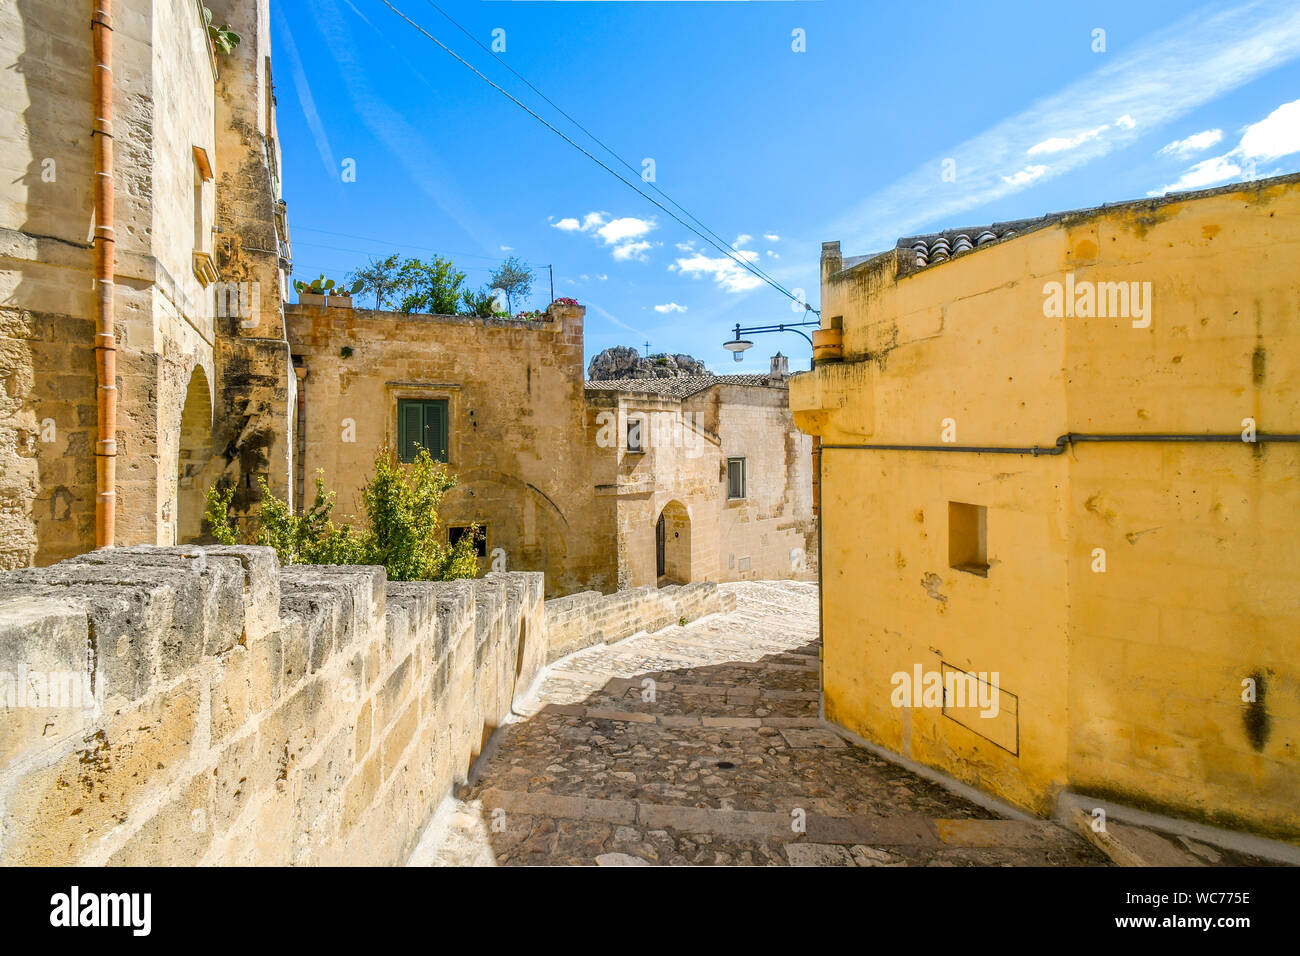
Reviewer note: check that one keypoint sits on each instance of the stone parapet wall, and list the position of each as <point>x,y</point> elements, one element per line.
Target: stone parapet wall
<point>589,617</point>
<point>212,707</point>
<point>204,705</point>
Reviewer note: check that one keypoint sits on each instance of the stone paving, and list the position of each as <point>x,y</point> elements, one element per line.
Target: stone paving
<point>701,745</point>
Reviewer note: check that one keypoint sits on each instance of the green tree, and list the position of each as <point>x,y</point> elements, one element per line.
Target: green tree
<point>380,279</point>
<point>400,530</point>
<point>515,279</point>
<point>430,286</point>
<point>401,506</point>
<point>482,303</point>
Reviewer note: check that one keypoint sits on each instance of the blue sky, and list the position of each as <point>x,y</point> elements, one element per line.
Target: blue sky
<point>774,150</point>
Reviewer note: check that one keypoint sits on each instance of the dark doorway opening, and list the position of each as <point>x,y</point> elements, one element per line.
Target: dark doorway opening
<point>661,535</point>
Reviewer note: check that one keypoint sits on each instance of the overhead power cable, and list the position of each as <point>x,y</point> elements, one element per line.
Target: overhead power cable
<point>743,263</point>
<point>761,273</point>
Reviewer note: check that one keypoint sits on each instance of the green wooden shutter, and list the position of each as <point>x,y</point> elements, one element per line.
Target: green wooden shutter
<point>421,424</point>
<point>410,429</point>
<point>435,429</point>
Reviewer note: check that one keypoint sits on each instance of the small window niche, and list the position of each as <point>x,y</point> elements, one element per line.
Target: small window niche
<point>421,423</point>
<point>735,479</point>
<point>968,538</point>
<point>635,443</point>
<point>455,533</point>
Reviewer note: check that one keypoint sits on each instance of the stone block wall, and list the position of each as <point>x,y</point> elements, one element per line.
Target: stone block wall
<point>581,620</point>
<point>513,393</point>
<point>203,705</point>
<point>166,146</point>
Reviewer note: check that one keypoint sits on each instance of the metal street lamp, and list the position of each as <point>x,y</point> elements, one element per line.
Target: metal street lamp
<point>737,346</point>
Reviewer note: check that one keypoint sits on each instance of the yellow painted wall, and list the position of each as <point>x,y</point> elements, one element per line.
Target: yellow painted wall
<point>1127,682</point>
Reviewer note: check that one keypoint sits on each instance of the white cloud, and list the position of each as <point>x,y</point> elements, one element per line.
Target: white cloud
<point>624,234</point>
<point>771,237</point>
<point>1060,144</point>
<point>1196,143</point>
<point>1025,176</point>
<point>774,255</point>
<point>305,99</point>
<point>507,248</point>
<point>729,274</point>
<point>1183,66</point>
<point>741,239</point>
<point>602,277</point>
<point>405,141</point>
<point>1208,172</point>
<point>670,307</point>
<point>631,250</point>
<point>629,227</point>
<point>1277,134</point>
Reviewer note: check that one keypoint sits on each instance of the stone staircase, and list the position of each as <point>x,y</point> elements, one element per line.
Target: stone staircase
<point>702,745</point>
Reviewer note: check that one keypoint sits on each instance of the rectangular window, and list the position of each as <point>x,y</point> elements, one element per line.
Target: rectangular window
<point>454,534</point>
<point>735,478</point>
<point>421,423</point>
<point>202,217</point>
<point>634,435</point>
<point>968,538</point>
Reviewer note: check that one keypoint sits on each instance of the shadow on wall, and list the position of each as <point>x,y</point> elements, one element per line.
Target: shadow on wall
<point>47,393</point>
<point>194,473</point>
<point>507,507</point>
<point>673,544</point>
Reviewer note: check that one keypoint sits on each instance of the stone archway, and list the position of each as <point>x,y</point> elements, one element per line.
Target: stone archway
<point>673,544</point>
<point>194,453</point>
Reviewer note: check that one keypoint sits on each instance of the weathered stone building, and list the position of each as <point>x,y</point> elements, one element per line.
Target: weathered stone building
<point>542,461</point>
<point>704,477</point>
<point>189,240</point>
<point>1058,472</point>
<point>147,351</point>
<point>499,400</point>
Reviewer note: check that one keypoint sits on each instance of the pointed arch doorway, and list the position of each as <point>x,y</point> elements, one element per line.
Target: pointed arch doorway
<point>673,544</point>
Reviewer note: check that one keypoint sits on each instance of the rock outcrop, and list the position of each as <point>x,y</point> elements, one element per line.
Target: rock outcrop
<point>623,362</point>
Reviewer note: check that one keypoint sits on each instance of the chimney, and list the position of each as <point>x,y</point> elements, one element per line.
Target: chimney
<point>780,367</point>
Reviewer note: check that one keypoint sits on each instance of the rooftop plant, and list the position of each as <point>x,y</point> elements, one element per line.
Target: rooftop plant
<point>224,39</point>
<point>324,286</point>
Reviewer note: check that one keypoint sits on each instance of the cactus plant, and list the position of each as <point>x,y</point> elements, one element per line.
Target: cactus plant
<point>324,286</point>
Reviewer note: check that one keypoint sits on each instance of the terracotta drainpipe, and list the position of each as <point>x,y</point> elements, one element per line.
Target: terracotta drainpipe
<point>105,345</point>
<point>817,474</point>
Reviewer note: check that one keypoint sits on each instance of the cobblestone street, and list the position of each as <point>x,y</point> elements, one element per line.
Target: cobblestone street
<point>718,766</point>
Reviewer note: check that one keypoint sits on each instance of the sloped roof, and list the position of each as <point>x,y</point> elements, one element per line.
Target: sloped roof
<point>681,386</point>
<point>921,252</point>
<point>917,252</point>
